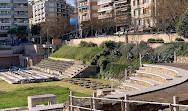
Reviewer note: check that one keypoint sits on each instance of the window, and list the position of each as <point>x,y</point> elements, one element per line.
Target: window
<point>138,2</point>
<point>138,12</point>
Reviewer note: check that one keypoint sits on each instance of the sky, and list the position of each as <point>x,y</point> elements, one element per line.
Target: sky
<point>70,1</point>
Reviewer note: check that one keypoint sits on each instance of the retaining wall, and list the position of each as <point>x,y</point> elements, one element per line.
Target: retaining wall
<point>131,39</point>
<point>181,59</point>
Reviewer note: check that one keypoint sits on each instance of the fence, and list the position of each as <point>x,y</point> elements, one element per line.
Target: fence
<point>125,103</point>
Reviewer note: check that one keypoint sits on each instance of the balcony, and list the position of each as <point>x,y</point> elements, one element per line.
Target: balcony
<point>105,16</point>
<point>5,23</point>
<point>100,2</point>
<point>4,1</point>
<point>21,16</point>
<point>83,4</point>
<point>20,9</point>
<point>22,23</point>
<point>20,1</point>
<point>106,9</point>
<point>3,31</point>
<point>5,7</point>
<point>5,15</point>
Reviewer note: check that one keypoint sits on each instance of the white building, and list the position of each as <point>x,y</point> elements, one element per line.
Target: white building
<point>141,12</point>
<point>13,13</point>
<point>42,9</point>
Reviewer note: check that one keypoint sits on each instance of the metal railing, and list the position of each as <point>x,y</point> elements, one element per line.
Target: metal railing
<point>125,103</point>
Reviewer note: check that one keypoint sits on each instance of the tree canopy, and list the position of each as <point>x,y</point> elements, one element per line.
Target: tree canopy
<point>55,27</point>
<point>12,31</point>
<point>182,26</point>
<point>35,30</point>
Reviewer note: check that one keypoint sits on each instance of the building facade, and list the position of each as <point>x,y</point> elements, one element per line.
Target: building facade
<point>119,10</point>
<point>106,9</point>
<point>43,9</point>
<point>141,12</point>
<point>13,13</point>
<point>87,10</point>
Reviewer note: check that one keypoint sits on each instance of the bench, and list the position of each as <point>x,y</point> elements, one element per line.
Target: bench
<point>33,100</point>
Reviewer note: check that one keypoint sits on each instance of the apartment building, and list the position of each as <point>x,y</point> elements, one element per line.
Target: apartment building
<point>13,13</point>
<point>141,12</point>
<point>106,9</point>
<point>87,10</point>
<point>119,10</point>
<point>43,9</point>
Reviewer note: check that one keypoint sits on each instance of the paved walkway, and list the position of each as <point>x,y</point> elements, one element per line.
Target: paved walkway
<point>166,95</point>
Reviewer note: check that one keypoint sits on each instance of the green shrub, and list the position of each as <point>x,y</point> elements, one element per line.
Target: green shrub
<point>108,45</point>
<point>125,49</point>
<point>141,48</point>
<point>159,40</point>
<point>86,44</point>
<point>180,39</point>
<point>151,41</point>
<point>155,41</point>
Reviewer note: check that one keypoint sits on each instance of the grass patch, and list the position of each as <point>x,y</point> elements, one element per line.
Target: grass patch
<point>18,97</point>
<point>78,53</point>
<point>15,95</point>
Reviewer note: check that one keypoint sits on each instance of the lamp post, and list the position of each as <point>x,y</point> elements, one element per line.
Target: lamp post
<point>48,43</point>
<point>115,16</point>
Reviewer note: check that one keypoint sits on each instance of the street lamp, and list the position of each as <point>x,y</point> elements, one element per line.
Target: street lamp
<point>115,17</point>
<point>48,43</point>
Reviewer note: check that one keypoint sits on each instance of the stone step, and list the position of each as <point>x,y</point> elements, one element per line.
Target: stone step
<point>134,86</point>
<point>160,69</point>
<point>154,76</point>
<point>143,81</point>
<point>69,74</point>
<point>5,78</point>
<point>70,71</point>
<point>73,69</point>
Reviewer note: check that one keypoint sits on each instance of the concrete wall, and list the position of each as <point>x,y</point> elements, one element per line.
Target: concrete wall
<point>16,49</point>
<point>9,60</point>
<point>131,38</point>
<point>30,61</point>
<point>30,50</point>
<point>6,52</point>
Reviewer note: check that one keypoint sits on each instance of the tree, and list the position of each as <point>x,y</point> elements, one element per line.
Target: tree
<point>22,33</point>
<point>182,26</point>
<point>55,27</point>
<point>12,33</point>
<point>35,30</point>
<point>167,12</point>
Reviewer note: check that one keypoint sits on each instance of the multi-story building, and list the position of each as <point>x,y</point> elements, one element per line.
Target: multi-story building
<point>119,10</point>
<point>43,9</point>
<point>87,10</point>
<point>142,12</point>
<point>13,13</point>
<point>106,9</point>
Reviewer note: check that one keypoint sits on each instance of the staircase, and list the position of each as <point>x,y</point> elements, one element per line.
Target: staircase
<point>61,69</point>
<point>150,78</point>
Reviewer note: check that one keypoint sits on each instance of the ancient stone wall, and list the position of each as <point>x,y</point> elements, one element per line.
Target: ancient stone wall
<point>181,59</point>
<point>131,39</point>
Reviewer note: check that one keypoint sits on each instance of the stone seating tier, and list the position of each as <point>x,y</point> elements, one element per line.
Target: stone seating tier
<point>154,76</point>
<point>149,78</point>
<point>26,76</point>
